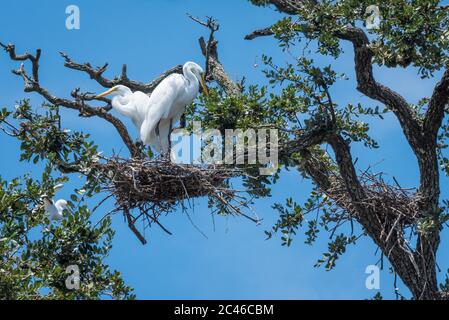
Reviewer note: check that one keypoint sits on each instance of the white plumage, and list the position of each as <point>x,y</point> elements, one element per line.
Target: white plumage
<point>158,112</point>
<point>133,105</point>
<point>55,210</point>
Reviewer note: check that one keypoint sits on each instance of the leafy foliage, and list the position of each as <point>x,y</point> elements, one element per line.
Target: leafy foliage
<point>36,252</point>
<point>410,32</point>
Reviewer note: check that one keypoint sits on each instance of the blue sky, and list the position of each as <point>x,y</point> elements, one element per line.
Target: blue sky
<point>235,261</point>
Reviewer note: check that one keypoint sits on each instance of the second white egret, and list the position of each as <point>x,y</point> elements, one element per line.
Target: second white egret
<point>155,115</point>
<point>55,210</point>
<point>168,102</point>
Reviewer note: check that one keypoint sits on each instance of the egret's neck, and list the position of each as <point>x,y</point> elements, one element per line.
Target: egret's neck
<point>121,99</point>
<point>123,103</point>
<point>191,77</point>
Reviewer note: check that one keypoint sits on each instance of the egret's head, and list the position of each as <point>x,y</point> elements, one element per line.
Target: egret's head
<point>118,90</point>
<point>199,73</point>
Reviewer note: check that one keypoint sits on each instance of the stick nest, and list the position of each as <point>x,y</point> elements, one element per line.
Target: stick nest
<point>393,204</point>
<point>158,186</point>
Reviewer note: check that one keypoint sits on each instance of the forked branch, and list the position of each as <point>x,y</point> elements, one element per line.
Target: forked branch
<point>97,75</point>
<point>214,69</point>
<point>32,84</point>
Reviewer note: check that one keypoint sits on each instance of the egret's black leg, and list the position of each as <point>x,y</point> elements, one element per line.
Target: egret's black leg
<point>159,136</point>
<point>169,135</point>
<point>182,122</point>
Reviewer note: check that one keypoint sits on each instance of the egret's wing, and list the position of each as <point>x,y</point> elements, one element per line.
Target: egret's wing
<point>53,212</point>
<point>170,90</point>
<point>161,101</point>
<point>142,103</point>
<point>51,209</point>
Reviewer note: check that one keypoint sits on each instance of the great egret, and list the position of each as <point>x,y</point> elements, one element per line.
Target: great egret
<point>155,115</point>
<point>55,209</point>
<point>168,102</point>
<point>133,105</point>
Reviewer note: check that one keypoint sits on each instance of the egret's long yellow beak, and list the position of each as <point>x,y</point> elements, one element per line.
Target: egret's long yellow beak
<point>203,85</point>
<point>106,93</point>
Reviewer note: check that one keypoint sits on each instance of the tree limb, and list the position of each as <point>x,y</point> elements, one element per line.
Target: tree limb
<point>32,85</point>
<point>367,84</point>
<point>437,104</point>
<point>214,69</point>
<point>97,75</point>
<point>11,49</point>
<point>260,33</point>
<point>288,6</point>
<point>416,267</point>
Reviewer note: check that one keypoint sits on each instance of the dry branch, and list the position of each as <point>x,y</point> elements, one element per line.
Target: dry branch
<point>97,75</point>
<point>214,69</point>
<point>32,84</point>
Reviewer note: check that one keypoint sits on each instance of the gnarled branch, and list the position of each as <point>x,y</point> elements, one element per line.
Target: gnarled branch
<point>214,69</point>
<point>32,85</point>
<point>437,104</point>
<point>97,75</point>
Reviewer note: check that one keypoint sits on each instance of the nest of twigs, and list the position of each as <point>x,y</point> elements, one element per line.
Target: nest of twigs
<point>162,181</point>
<point>396,202</point>
<point>144,189</point>
<point>393,204</point>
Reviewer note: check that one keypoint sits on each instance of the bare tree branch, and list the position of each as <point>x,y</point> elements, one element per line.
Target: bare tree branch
<point>260,33</point>
<point>437,104</point>
<point>131,224</point>
<point>11,49</point>
<point>97,75</point>
<point>32,85</point>
<point>214,69</point>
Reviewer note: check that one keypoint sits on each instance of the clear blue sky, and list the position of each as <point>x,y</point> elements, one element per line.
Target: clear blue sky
<point>235,262</point>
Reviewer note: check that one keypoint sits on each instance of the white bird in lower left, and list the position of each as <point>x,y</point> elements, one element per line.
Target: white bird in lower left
<point>55,210</point>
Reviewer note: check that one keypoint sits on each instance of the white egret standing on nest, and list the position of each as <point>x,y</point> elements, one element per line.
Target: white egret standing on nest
<point>155,115</point>
<point>168,102</point>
